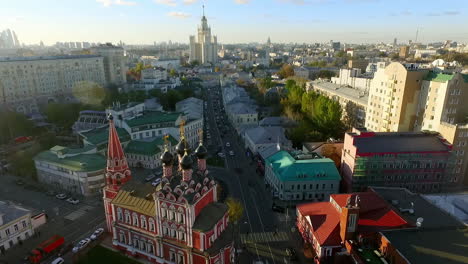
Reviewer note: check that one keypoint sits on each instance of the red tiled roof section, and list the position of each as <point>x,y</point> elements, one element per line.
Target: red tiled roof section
<point>324,220</point>
<point>114,149</point>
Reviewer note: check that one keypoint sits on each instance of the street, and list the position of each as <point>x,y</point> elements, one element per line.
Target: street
<point>73,222</point>
<point>265,234</point>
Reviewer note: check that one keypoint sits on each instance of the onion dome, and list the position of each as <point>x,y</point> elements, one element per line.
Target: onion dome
<point>186,162</point>
<point>166,158</point>
<point>201,151</point>
<point>181,146</point>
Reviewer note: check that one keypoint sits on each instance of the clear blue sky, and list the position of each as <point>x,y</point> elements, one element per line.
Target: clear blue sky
<point>235,21</point>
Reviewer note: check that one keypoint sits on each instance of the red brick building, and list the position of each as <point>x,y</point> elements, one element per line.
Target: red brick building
<point>335,226</point>
<point>178,221</point>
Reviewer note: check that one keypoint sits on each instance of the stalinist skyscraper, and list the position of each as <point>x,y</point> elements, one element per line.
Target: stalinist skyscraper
<point>204,50</point>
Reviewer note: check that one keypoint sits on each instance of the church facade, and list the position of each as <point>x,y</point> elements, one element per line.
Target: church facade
<point>179,221</point>
<point>204,49</point>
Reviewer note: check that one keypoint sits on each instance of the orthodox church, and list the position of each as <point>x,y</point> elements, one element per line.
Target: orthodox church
<point>179,221</point>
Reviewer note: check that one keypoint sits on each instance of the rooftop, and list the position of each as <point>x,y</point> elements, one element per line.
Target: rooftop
<point>455,204</point>
<point>350,94</point>
<point>431,246</point>
<point>287,168</point>
<point>269,135</point>
<point>148,148</point>
<point>79,162</point>
<point>100,135</point>
<point>137,197</point>
<point>10,212</point>
<point>402,198</point>
<point>39,58</point>
<point>399,142</point>
<point>153,118</point>
<point>209,216</point>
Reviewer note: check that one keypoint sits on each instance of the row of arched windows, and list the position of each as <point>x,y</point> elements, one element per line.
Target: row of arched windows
<point>173,214</point>
<point>135,220</point>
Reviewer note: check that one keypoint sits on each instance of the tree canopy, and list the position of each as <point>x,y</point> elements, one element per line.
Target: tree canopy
<point>235,209</point>
<point>286,71</point>
<point>14,125</point>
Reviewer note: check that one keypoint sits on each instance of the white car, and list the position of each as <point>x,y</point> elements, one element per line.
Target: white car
<point>221,155</point>
<point>231,153</point>
<point>73,200</point>
<point>82,244</point>
<point>58,261</point>
<point>156,182</point>
<point>228,144</point>
<point>61,196</point>
<point>97,233</point>
<point>150,177</point>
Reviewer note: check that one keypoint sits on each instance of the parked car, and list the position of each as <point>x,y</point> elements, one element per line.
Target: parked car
<point>231,153</point>
<point>82,244</point>
<point>73,200</point>
<point>221,155</point>
<point>277,208</point>
<point>61,196</point>
<point>150,177</point>
<point>156,182</point>
<point>58,261</point>
<point>97,233</point>
<point>228,144</point>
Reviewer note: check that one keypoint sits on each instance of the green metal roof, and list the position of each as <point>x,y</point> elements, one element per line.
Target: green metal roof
<point>148,148</point>
<point>289,169</point>
<point>80,162</point>
<point>153,118</point>
<point>65,150</point>
<point>100,136</point>
<point>438,77</point>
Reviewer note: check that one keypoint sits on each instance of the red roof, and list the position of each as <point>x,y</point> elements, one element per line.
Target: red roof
<point>115,151</point>
<point>375,214</point>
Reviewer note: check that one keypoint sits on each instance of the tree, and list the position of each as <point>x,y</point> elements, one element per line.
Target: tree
<point>325,74</point>
<point>235,209</point>
<point>173,73</point>
<point>14,125</point>
<point>286,71</point>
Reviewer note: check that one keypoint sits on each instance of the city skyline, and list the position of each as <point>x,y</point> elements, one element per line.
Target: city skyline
<point>234,21</point>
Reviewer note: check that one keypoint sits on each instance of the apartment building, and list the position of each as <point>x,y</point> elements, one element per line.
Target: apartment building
<point>15,225</point>
<point>114,62</point>
<point>25,80</point>
<point>394,97</point>
<point>457,135</point>
<point>421,162</point>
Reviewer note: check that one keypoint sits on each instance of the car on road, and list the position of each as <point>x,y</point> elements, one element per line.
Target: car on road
<point>73,200</point>
<point>291,253</point>
<point>82,244</point>
<point>150,177</point>
<point>61,196</point>
<point>156,182</point>
<point>231,153</point>
<point>228,144</point>
<point>97,233</point>
<point>58,261</point>
<point>221,155</point>
<point>278,209</point>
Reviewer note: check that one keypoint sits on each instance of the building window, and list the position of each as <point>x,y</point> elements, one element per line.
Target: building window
<point>135,220</point>
<point>16,227</point>
<point>119,214</point>
<point>24,223</point>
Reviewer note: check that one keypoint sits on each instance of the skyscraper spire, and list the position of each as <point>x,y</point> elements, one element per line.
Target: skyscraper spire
<point>203,7</point>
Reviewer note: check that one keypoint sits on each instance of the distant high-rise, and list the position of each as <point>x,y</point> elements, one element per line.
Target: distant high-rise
<point>395,42</point>
<point>114,62</point>
<point>9,39</point>
<point>204,49</point>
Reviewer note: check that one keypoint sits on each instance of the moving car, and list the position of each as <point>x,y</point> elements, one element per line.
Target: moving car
<point>61,196</point>
<point>73,200</point>
<point>228,144</point>
<point>97,233</point>
<point>150,177</point>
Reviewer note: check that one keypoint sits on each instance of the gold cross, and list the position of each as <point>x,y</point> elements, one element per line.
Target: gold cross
<point>181,129</point>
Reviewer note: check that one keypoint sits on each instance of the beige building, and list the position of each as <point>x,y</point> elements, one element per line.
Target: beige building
<point>393,98</point>
<point>48,77</point>
<point>114,62</point>
<point>457,135</point>
<point>15,225</point>
<point>404,52</point>
<point>358,64</point>
<point>205,48</point>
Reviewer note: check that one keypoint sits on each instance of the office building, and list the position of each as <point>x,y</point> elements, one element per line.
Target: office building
<point>421,162</point>
<point>404,52</point>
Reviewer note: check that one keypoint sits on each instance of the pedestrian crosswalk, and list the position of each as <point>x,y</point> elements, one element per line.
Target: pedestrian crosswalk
<point>264,237</point>
<point>78,213</point>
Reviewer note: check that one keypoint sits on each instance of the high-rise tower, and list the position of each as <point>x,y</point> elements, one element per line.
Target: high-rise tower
<point>204,49</point>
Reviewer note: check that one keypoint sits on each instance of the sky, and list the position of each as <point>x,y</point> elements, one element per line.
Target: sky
<point>236,21</point>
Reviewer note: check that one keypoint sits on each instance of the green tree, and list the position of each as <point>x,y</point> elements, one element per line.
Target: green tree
<point>173,73</point>
<point>286,71</point>
<point>235,209</point>
<point>325,74</point>
<point>13,125</point>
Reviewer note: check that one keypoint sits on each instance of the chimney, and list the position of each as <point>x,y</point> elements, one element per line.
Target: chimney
<point>349,218</point>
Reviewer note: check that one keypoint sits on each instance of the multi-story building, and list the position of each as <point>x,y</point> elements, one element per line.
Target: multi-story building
<point>114,62</point>
<point>353,79</point>
<point>153,75</point>
<point>8,39</point>
<point>205,48</point>
<point>192,107</point>
<point>179,221</point>
<point>79,171</point>
<point>352,101</point>
<point>393,98</point>
<point>326,227</point>
<point>27,81</point>
<point>404,52</point>
<point>420,162</point>
<point>146,153</point>
<point>358,64</point>
<point>457,135</point>
<point>301,176</point>
<point>441,100</point>
<point>89,119</point>
<point>15,225</point>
